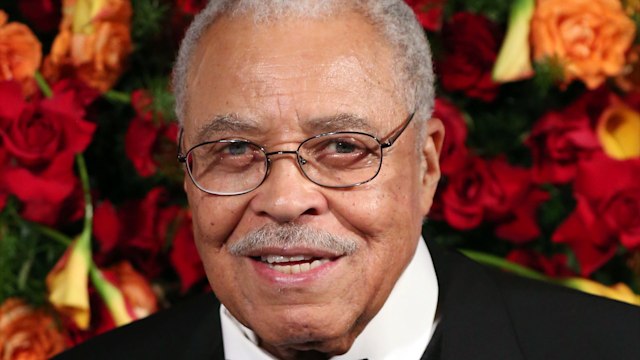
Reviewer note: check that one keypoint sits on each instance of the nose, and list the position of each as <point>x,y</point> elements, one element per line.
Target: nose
<point>286,195</point>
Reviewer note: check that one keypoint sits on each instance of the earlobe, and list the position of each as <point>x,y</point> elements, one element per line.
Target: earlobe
<point>431,149</point>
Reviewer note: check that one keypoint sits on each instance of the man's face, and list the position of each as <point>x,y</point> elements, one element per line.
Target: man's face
<point>278,80</point>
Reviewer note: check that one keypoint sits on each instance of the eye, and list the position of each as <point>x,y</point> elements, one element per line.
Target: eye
<point>341,151</point>
<point>344,146</point>
<point>237,148</point>
<point>233,155</point>
<point>341,147</point>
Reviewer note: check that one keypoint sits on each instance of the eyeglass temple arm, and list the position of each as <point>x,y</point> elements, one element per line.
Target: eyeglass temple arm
<point>394,137</point>
<point>181,157</point>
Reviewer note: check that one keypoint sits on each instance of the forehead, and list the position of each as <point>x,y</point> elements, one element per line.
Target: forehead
<point>291,71</point>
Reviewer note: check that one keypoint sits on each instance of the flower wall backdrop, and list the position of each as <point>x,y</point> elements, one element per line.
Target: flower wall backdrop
<point>541,163</point>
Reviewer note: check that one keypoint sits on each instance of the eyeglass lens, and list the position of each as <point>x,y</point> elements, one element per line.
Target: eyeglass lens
<point>333,160</point>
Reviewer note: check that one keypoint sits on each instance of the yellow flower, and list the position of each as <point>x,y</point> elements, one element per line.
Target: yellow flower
<point>620,291</point>
<point>68,282</point>
<point>112,297</point>
<point>514,62</point>
<point>93,44</point>
<point>589,38</point>
<point>619,131</point>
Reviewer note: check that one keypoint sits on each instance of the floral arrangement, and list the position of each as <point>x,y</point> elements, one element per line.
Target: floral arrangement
<point>540,101</point>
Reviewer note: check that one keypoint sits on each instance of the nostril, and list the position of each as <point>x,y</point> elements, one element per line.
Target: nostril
<point>311,211</point>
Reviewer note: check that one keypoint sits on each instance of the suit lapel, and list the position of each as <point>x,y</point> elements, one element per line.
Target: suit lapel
<point>206,335</point>
<point>474,320</point>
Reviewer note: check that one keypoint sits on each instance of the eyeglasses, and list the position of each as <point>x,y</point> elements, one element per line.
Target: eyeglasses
<point>339,159</point>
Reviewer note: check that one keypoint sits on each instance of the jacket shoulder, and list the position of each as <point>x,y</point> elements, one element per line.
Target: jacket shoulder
<point>549,319</point>
<point>187,330</point>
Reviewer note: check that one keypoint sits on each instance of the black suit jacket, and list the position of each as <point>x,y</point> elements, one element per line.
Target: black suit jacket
<point>485,314</point>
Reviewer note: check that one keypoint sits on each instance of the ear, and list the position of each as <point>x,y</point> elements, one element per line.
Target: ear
<point>430,162</point>
<point>186,181</point>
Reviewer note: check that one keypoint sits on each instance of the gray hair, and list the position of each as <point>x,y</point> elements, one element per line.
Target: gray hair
<point>393,18</point>
<point>293,235</point>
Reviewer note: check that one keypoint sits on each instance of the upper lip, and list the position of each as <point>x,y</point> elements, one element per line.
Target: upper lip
<point>316,253</point>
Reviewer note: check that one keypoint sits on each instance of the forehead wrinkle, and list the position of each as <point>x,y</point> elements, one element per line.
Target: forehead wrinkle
<point>225,123</point>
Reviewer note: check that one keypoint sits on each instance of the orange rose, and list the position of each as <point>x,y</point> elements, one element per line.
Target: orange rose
<point>589,38</point>
<point>93,44</point>
<point>138,295</point>
<point>26,333</point>
<point>20,53</point>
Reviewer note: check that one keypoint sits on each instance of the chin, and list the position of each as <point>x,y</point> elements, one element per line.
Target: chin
<point>301,347</point>
<point>308,330</point>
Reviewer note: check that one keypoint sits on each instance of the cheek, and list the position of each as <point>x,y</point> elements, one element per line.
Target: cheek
<point>214,217</point>
<point>388,206</point>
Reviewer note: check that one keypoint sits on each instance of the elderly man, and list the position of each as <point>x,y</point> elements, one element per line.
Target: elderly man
<point>311,162</point>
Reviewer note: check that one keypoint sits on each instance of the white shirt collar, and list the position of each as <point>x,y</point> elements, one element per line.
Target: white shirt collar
<point>401,329</point>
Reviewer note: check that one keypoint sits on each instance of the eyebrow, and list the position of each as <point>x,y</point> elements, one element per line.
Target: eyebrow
<point>226,123</point>
<point>338,122</point>
<point>232,123</point>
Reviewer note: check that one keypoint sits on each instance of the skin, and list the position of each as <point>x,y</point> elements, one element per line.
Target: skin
<point>277,78</point>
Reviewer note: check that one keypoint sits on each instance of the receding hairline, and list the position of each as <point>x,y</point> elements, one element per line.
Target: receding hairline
<point>339,12</point>
<point>379,46</point>
<point>393,20</point>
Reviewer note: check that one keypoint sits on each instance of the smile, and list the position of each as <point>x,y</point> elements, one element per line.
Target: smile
<point>293,264</point>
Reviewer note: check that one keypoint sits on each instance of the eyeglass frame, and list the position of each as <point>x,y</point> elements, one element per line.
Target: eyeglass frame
<point>182,158</point>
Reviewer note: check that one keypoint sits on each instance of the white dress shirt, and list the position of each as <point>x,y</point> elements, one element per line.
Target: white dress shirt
<point>401,329</point>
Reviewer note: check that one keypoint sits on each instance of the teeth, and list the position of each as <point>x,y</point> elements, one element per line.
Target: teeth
<point>304,267</point>
<point>273,261</point>
<point>295,269</point>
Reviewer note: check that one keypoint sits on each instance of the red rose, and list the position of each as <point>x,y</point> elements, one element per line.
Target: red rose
<point>559,141</point>
<point>519,223</point>
<point>184,256</point>
<point>454,151</point>
<point>106,226</point>
<point>41,137</point>
<point>12,103</point>
<point>3,187</point>
<point>44,15</point>
<point>47,127</point>
<point>607,212</point>
<point>44,194</point>
<point>470,50</point>
<point>555,266</point>
<point>493,191</point>
<point>191,7</point>
<point>149,141</point>
<point>633,99</point>
<point>428,12</point>
<point>138,232</point>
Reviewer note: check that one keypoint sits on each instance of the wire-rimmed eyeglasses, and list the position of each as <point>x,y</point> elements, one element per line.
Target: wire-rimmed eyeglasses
<point>339,159</point>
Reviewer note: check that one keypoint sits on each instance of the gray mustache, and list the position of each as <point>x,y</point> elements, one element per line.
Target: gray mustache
<point>291,236</point>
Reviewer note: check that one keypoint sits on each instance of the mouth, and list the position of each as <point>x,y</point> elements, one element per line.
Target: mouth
<point>293,264</point>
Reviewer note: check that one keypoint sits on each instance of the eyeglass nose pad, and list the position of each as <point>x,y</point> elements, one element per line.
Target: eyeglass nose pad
<point>301,160</point>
